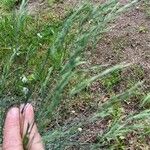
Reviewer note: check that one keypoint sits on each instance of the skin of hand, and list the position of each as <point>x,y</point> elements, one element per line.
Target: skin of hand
<point>15,127</point>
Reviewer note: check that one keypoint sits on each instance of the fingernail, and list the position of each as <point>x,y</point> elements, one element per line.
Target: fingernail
<point>23,107</point>
<point>29,106</point>
<point>13,112</point>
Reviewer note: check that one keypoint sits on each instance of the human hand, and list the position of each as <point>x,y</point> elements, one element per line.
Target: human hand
<point>16,125</point>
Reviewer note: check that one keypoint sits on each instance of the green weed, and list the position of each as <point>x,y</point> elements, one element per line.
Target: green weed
<point>112,80</point>
<point>11,4</point>
<point>146,8</point>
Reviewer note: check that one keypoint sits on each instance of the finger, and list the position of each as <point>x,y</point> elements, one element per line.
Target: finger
<point>35,141</point>
<point>12,138</point>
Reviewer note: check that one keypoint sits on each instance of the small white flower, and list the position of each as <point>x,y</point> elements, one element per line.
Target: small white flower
<point>73,112</point>
<point>24,79</point>
<point>90,21</point>
<point>18,53</point>
<point>79,129</point>
<point>25,90</point>
<point>39,35</point>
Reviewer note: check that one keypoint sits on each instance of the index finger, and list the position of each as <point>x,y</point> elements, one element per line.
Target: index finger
<point>12,138</point>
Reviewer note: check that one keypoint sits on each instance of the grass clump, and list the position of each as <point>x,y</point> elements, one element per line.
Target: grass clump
<point>8,4</point>
<point>43,62</point>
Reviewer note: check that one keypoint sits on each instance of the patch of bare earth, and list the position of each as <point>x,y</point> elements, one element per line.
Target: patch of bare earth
<point>128,41</point>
